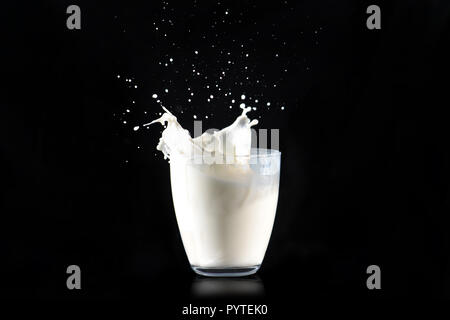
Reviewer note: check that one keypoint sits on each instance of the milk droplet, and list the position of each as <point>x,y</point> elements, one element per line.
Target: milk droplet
<point>136,128</point>
<point>196,52</point>
<point>282,108</point>
<point>171,60</point>
<point>154,96</point>
<point>256,100</point>
<point>128,110</point>
<point>232,101</point>
<point>242,105</point>
<point>243,97</point>
<point>268,103</point>
<point>124,122</point>
<point>135,86</point>
<point>167,90</point>
<point>195,117</point>
<point>211,96</point>
<point>118,76</point>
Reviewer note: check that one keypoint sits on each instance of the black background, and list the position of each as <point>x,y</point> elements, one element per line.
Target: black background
<point>364,140</point>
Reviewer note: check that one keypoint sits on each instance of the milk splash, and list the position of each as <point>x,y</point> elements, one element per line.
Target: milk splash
<point>232,144</point>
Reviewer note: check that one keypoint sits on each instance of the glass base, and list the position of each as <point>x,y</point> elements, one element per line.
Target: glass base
<point>226,272</point>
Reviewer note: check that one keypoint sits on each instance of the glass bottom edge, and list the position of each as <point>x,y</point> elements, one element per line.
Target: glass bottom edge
<point>225,271</point>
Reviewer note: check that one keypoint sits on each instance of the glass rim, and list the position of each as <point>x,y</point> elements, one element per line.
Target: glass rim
<point>262,152</point>
<point>254,153</point>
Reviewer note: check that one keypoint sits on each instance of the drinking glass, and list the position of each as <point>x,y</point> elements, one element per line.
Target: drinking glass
<point>225,212</point>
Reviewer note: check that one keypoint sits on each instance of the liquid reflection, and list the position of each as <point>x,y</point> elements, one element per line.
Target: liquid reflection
<point>213,288</point>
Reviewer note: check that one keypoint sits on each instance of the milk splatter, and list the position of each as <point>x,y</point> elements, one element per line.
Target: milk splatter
<point>234,140</point>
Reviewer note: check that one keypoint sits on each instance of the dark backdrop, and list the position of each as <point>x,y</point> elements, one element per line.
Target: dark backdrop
<point>364,140</point>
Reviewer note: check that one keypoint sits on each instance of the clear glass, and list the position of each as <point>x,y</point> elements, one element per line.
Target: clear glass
<point>225,211</point>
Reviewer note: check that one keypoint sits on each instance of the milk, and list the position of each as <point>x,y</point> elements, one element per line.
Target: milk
<point>225,211</point>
